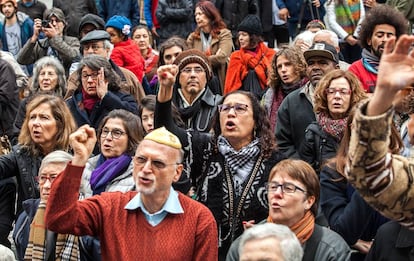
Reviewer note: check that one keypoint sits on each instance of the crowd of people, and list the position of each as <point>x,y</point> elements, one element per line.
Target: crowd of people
<point>207,130</point>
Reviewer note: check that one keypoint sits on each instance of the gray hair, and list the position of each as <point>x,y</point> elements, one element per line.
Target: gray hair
<point>333,37</point>
<point>51,61</point>
<point>306,36</point>
<point>57,156</point>
<point>288,242</point>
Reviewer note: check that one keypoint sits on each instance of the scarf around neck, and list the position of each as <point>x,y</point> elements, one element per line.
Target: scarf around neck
<point>241,162</point>
<point>89,101</point>
<point>303,229</point>
<point>67,246</point>
<point>107,170</point>
<point>370,61</point>
<point>348,14</point>
<point>335,128</point>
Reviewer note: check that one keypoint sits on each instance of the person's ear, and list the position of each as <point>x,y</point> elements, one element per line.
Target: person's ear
<point>178,171</point>
<point>309,201</point>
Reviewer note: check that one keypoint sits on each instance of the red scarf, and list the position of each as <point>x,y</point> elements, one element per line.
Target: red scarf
<point>242,61</point>
<point>89,101</point>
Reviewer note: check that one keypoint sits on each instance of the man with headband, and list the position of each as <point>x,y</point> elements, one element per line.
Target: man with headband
<point>153,223</point>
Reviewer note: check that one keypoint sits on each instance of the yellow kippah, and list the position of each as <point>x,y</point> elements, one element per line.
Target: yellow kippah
<point>163,136</point>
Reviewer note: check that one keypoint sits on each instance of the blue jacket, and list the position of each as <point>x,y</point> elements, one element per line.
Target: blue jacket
<point>127,8</point>
<point>26,31</point>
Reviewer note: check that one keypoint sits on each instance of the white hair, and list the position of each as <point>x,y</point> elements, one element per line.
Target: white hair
<point>306,36</point>
<point>333,37</point>
<point>57,156</point>
<point>288,242</point>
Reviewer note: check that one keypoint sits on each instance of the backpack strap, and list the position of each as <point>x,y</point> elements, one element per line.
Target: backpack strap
<point>312,244</point>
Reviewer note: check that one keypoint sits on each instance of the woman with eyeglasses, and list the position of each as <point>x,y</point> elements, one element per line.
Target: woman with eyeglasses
<point>118,136</point>
<point>228,166</point>
<point>99,92</point>
<point>336,94</point>
<point>293,197</point>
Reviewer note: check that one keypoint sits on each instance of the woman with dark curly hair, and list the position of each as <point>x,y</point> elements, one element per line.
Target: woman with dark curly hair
<point>99,92</point>
<point>287,73</point>
<point>229,166</point>
<point>335,96</point>
<point>212,37</point>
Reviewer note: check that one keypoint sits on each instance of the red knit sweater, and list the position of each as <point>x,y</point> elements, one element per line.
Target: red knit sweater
<point>125,234</point>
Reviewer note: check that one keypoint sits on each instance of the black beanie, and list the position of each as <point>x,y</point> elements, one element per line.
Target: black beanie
<point>251,24</point>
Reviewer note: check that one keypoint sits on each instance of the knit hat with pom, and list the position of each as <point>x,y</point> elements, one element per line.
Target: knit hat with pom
<point>121,23</point>
<point>194,56</point>
<point>251,24</point>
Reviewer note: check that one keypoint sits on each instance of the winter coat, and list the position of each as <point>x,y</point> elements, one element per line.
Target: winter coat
<point>111,101</point>
<point>128,8</point>
<point>26,29</point>
<point>9,98</point>
<point>65,48</point>
<point>127,54</point>
<point>35,10</point>
<point>74,10</point>
<point>294,115</point>
<point>234,11</point>
<point>175,18</point>
<point>367,78</point>
<point>219,53</point>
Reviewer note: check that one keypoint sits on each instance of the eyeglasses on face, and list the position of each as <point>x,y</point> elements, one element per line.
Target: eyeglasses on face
<point>43,178</point>
<point>188,70</point>
<point>286,187</point>
<point>341,91</point>
<point>239,108</point>
<point>115,133</point>
<point>93,75</point>
<point>140,161</point>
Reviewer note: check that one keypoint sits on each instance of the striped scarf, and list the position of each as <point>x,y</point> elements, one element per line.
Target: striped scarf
<point>67,246</point>
<point>347,14</point>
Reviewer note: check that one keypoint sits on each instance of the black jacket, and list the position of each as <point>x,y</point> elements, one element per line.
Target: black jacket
<point>9,98</point>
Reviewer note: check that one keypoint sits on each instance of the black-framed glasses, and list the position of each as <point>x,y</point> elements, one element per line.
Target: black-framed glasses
<point>115,133</point>
<point>286,187</point>
<point>341,91</point>
<point>239,108</point>
<point>93,75</point>
<point>140,161</point>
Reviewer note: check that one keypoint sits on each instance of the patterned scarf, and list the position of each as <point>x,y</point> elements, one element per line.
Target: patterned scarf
<point>89,101</point>
<point>149,59</point>
<point>206,42</point>
<point>335,128</point>
<point>107,171</point>
<point>304,228</point>
<point>240,163</point>
<point>370,61</point>
<point>67,246</point>
<point>347,14</point>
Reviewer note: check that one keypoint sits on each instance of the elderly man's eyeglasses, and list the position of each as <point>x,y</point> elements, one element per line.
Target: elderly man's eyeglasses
<point>140,161</point>
<point>43,178</point>
<point>341,91</point>
<point>239,108</point>
<point>93,75</point>
<point>286,187</point>
<point>95,47</point>
<point>115,133</point>
<point>189,70</point>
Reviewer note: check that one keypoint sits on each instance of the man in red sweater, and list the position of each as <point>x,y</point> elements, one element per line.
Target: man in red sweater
<point>153,223</point>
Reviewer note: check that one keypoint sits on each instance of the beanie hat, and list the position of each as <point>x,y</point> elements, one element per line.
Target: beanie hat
<point>54,11</point>
<point>194,56</point>
<point>121,23</point>
<point>92,19</point>
<point>251,24</point>
<point>14,2</point>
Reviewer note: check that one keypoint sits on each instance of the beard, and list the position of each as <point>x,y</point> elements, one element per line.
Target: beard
<point>146,191</point>
<point>377,51</point>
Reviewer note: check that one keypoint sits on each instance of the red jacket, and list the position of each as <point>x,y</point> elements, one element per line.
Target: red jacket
<point>127,54</point>
<point>367,78</point>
